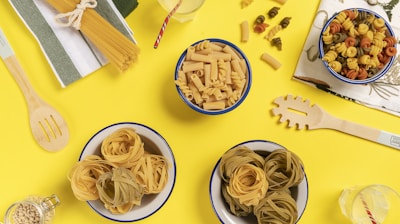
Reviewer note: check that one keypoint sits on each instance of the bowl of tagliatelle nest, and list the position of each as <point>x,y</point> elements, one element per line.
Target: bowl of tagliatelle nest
<point>357,46</point>
<point>258,181</point>
<point>126,172</point>
<point>213,76</point>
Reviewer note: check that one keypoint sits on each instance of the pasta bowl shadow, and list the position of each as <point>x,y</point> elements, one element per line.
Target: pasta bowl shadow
<point>154,143</point>
<point>357,46</point>
<point>298,192</point>
<point>213,76</point>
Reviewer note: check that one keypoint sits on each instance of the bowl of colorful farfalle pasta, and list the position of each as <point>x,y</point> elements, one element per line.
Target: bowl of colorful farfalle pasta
<point>357,46</point>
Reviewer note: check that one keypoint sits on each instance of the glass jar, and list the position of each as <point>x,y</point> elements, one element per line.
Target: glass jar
<point>32,210</point>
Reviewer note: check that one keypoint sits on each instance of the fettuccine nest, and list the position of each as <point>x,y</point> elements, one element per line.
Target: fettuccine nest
<point>252,184</point>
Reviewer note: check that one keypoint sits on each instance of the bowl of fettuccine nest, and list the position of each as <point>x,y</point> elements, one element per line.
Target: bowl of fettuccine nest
<point>258,181</point>
<point>126,172</point>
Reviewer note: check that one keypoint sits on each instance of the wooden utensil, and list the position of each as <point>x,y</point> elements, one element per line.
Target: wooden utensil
<point>300,112</point>
<point>48,127</point>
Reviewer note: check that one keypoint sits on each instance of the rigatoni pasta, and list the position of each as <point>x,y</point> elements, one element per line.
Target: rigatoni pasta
<point>213,75</point>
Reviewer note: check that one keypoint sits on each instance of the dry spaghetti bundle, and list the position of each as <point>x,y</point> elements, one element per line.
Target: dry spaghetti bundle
<point>116,47</point>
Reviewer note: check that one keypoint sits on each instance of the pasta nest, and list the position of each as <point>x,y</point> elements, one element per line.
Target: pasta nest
<point>248,184</point>
<point>283,169</point>
<point>237,157</point>
<point>84,174</point>
<point>119,190</point>
<point>124,147</point>
<point>276,207</point>
<point>151,172</point>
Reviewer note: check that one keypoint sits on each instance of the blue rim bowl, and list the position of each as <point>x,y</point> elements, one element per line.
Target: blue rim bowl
<point>221,209</point>
<point>246,88</point>
<point>375,77</point>
<point>154,142</point>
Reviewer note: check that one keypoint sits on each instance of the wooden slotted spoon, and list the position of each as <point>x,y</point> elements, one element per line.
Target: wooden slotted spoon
<point>300,112</point>
<point>48,127</point>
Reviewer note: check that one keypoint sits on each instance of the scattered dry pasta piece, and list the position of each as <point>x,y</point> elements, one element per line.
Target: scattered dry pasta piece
<point>273,31</point>
<point>245,31</point>
<point>271,61</point>
<point>282,2</point>
<point>246,3</point>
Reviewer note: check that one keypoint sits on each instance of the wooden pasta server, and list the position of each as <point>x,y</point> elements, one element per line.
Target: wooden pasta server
<point>48,127</point>
<point>300,112</point>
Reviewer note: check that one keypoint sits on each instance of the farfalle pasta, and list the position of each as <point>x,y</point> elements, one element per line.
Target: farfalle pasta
<point>360,41</point>
<point>258,184</point>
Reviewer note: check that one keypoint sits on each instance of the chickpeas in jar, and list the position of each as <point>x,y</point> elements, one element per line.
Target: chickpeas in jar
<point>32,210</point>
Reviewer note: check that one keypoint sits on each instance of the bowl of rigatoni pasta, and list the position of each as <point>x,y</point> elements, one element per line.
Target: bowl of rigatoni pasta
<point>213,76</point>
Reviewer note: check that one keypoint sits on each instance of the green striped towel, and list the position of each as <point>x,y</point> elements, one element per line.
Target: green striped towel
<point>69,53</point>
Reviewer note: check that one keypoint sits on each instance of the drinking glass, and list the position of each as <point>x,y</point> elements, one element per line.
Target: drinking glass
<point>186,11</point>
<point>372,204</point>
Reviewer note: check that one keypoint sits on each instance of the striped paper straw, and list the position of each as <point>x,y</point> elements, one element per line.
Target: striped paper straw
<point>164,25</point>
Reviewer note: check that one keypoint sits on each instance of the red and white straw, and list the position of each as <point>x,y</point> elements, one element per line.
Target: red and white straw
<point>164,25</point>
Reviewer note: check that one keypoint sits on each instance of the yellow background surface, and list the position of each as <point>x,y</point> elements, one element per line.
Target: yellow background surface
<point>146,94</point>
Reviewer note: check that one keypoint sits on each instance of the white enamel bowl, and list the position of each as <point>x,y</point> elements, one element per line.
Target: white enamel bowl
<point>221,209</point>
<point>153,142</point>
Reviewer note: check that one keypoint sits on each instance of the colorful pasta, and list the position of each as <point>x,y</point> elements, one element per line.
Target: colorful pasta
<point>273,12</point>
<point>359,40</point>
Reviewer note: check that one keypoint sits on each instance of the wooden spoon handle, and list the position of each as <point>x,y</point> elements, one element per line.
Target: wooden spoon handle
<point>32,99</point>
<point>372,134</point>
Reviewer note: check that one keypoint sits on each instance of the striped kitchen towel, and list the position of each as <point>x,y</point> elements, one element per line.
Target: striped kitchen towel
<point>69,53</point>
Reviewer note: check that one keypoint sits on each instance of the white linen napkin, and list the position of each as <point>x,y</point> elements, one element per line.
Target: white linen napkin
<point>383,94</point>
<point>69,53</point>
